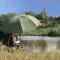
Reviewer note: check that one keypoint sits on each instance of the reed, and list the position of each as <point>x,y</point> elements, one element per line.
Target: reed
<point>28,55</point>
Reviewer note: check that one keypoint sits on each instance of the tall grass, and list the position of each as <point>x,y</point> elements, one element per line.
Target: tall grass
<point>27,55</point>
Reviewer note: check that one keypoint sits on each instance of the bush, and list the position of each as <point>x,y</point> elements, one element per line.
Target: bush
<point>55,31</point>
<point>52,33</point>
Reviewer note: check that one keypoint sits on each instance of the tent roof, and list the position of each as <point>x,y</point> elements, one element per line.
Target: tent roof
<point>36,21</point>
<point>28,23</point>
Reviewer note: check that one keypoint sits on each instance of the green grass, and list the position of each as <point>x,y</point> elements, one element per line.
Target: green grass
<point>54,31</point>
<point>26,55</point>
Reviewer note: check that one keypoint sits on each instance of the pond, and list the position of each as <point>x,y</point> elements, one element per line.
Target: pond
<point>45,43</point>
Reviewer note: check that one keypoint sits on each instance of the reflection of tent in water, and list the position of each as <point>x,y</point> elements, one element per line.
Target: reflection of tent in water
<point>20,24</point>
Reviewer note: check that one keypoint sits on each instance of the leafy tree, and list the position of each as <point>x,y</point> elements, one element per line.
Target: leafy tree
<point>57,19</point>
<point>39,17</point>
<point>30,13</point>
<point>44,14</point>
<point>54,23</point>
<point>4,18</point>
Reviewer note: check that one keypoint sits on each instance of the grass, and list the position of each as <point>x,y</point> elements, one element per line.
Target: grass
<point>27,55</point>
<point>53,31</point>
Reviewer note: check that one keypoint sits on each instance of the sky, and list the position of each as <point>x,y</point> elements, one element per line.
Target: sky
<point>19,6</point>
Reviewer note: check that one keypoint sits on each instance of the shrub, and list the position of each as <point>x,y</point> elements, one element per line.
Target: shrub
<point>52,33</point>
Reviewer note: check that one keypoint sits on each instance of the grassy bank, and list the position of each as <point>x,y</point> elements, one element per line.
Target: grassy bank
<point>54,31</point>
<point>26,55</point>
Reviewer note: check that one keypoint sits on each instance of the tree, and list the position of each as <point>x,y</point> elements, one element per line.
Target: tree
<point>44,14</point>
<point>4,18</point>
<point>30,13</point>
<point>54,23</point>
<point>57,19</point>
<point>39,17</point>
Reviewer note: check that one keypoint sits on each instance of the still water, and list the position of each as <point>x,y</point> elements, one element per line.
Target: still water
<point>51,42</point>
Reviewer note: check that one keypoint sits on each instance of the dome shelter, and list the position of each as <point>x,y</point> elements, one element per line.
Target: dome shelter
<point>17,25</point>
<point>20,24</point>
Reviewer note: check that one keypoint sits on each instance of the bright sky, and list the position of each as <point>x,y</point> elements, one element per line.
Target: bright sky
<point>19,6</point>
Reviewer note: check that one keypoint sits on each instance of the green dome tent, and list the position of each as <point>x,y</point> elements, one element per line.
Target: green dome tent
<point>20,24</point>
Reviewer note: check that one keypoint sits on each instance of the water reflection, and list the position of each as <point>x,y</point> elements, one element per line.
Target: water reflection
<point>39,43</point>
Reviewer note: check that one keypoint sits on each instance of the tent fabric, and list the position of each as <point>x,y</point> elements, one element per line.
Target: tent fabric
<point>20,24</point>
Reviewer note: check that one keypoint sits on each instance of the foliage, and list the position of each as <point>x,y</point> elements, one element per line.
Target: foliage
<point>50,31</point>
<point>57,19</point>
<point>54,23</point>
<point>30,13</point>
<point>4,18</point>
